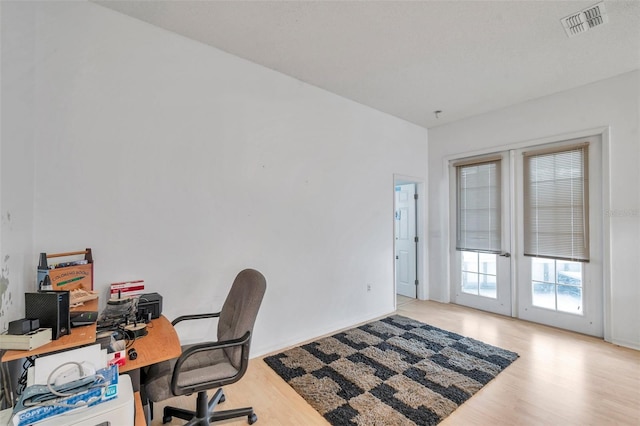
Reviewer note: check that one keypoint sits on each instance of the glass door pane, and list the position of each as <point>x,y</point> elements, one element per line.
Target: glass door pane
<point>479,274</point>
<point>556,285</point>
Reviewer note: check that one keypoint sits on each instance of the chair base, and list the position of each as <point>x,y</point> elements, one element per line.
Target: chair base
<point>204,413</point>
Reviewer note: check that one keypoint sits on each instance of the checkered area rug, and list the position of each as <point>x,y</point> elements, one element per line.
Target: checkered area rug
<point>396,371</point>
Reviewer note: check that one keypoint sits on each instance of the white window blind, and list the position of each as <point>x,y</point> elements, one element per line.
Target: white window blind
<point>479,206</point>
<point>556,203</point>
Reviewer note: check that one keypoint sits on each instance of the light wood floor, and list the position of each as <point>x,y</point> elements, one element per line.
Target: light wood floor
<point>561,378</point>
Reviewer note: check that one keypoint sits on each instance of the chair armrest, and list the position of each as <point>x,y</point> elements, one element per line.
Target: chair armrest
<point>194,317</point>
<point>208,346</point>
<point>243,341</point>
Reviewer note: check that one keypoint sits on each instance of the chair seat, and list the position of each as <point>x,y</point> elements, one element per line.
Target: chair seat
<point>201,367</point>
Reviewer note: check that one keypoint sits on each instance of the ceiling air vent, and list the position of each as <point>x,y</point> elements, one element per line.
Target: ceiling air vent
<point>585,20</point>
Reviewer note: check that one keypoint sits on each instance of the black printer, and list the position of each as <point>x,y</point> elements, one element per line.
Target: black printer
<point>149,306</point>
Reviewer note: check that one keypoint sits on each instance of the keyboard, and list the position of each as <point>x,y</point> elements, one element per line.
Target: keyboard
<point>80,295</point>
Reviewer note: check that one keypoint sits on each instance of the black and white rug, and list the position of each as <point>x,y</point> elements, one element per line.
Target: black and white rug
<point>395,371</point>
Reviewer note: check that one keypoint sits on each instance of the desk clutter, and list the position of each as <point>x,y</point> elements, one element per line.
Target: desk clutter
<point>26,341</point>
<point>63,315</point>
<point>118,410</point>
<point>47,310</point>
<point>65,287</point>
<point>61,286</point>
<point>130,312</point>
<point>68,383</point>
<point>51,308</point>
<point>123,321</point>
<point>71,274</point>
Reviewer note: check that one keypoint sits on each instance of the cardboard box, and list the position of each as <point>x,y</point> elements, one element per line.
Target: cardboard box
<point>74,271</point>
<point>26,342</point>
<point>126,289</point>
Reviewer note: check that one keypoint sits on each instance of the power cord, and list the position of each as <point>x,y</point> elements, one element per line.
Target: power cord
<point>55,370</point>
<point>6,392</point>
<point>99,381</point>
<point>128,337</point>
<point>22,381</point>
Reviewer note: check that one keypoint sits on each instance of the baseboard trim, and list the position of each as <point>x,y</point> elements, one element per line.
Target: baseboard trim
<point>625,344</point>
<point>259,352</point>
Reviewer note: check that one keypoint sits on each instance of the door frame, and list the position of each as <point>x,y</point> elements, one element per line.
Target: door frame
<point>604,133</point>
<point>421,264</point>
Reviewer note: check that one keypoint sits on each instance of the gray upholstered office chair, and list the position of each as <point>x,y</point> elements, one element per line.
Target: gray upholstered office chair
<point>210,365</point>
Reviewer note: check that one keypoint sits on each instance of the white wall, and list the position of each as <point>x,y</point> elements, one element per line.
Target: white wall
<point>17,90</point>
<point>613,102</point>
<point>180,164</point>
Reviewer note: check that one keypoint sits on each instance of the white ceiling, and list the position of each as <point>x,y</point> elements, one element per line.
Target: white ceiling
<point>410,58</point>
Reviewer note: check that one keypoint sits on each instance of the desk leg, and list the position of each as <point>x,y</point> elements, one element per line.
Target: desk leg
<point>139,419</point>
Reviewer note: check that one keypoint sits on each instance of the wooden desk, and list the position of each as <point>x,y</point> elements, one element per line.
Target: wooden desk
<point>139,419</point>
<point>160,344</point>
<point>79,336</point>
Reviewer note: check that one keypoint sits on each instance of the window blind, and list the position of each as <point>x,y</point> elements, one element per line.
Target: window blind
<point>479,206</point>
<point>556,203</point>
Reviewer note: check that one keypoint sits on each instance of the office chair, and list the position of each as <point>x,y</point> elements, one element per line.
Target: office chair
<point>211,365</point>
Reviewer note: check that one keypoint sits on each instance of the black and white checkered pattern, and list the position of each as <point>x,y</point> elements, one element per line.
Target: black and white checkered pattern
<point>396,371</point>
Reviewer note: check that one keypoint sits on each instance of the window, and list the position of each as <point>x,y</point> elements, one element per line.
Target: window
<point>557,285</point>
<point>556,205</point>
<point>479,274</point>
<point>479,206</point>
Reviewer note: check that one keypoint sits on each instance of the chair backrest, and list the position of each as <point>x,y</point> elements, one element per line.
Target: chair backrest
<point>240,310</point>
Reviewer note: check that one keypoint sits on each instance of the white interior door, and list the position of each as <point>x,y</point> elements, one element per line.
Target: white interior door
<point>481,277</point>
<point>405,235</point>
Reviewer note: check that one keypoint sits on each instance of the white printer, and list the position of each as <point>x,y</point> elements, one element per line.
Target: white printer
<point>118,411</point>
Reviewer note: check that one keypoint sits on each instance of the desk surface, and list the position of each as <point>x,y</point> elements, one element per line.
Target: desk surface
<point>79,336</point>
<point>160,344</point>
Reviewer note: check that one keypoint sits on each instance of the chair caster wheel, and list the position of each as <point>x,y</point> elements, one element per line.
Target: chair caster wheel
<point>252,419</point>
<point>223,398</point>
<point>166,419</point>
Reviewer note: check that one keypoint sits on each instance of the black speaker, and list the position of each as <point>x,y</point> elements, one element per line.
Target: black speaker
<point>51,308</point>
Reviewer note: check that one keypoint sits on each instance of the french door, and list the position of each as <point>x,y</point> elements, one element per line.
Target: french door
<point>559,267</point>
<point>481,266</point>
<point>519,218</point>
